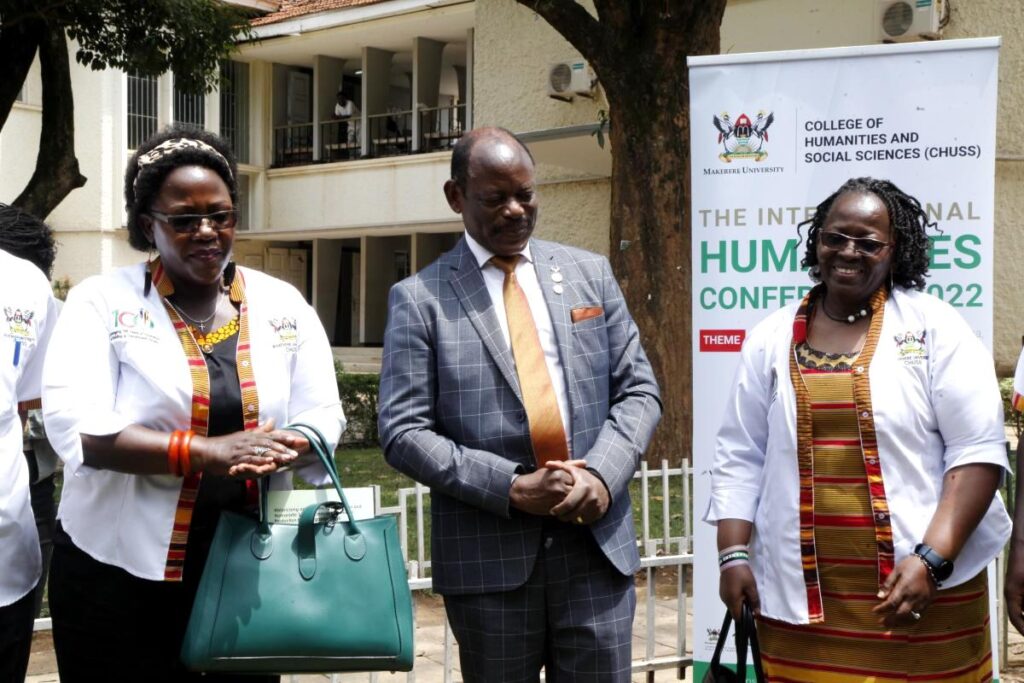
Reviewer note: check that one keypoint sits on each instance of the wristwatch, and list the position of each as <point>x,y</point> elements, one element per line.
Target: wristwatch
<point>939,567</point>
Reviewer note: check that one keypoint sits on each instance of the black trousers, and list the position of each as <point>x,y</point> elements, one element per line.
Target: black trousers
<point>15,639</point>
<point>45,510</point>
<point>112,626</point>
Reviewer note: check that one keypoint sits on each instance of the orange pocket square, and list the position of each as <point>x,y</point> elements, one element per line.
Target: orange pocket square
<point>586,313</point>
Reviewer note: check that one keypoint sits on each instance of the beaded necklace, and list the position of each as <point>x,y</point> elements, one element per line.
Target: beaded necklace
<point>207,341</point>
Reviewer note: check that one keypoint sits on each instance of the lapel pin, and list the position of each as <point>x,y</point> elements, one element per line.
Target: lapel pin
<point>558,289</point>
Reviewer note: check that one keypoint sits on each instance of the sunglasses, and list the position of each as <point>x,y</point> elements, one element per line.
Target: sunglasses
<point>188,223</point>
<point>866,246</point>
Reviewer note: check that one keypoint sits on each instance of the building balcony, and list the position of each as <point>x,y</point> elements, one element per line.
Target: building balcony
<point>353,84</point>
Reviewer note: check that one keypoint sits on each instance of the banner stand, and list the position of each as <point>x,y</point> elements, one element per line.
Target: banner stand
<point>774,134</point>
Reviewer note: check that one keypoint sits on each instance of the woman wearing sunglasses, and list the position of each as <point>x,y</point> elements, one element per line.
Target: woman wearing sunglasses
<point>855,473</point>
<point>163,394</point>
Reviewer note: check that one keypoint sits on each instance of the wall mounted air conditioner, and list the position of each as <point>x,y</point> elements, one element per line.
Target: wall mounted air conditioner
<point>907,20</point>
<point>568,79</point>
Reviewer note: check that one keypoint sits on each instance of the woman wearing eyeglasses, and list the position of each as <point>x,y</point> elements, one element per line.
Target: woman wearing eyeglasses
<point>163,393</point>
<point>855,473</point>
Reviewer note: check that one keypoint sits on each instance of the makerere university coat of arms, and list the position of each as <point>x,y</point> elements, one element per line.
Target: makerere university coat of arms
<point>743,139</point>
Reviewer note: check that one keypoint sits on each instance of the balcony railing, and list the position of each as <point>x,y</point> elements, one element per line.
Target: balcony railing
<point>293,144</point>
<point>339,140</point>
<point>390,134</point>
<point>440,127</point>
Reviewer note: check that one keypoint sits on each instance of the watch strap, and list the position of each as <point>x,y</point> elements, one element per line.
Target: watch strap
<point>939,567</point>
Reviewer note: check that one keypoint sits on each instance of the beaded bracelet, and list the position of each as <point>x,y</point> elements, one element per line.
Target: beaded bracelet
<point>732,563</point>
<point>734,555</point>
<point>726,551</point>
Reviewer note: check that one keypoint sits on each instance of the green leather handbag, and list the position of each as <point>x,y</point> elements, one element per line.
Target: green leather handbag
<point>325,596</point>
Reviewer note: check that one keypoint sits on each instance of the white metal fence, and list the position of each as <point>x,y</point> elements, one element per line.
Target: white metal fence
<point>664,496</point>
<point>662,506</point>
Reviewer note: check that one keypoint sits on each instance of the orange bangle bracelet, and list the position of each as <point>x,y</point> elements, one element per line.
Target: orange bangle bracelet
<point>185,453</point>
<point>173,451</point>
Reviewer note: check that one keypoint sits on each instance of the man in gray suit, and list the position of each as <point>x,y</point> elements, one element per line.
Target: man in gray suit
<point>514,385</point>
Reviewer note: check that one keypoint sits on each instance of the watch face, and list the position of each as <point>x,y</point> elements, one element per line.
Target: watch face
<point>944,570</point>
<point>940,566</point>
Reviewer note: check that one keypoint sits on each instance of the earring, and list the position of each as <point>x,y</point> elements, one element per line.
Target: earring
<point>229,275</point>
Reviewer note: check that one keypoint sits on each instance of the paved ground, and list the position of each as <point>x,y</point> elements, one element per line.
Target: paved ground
<point>430,640</point>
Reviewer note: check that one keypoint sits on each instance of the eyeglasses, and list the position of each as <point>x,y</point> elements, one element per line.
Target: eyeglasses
<point>866,246</point>
<point>185,223</point>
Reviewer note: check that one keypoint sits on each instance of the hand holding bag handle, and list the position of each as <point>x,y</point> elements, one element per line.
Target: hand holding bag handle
<point>317,597</point>
<point>261,541</point>
<point>746,632</point>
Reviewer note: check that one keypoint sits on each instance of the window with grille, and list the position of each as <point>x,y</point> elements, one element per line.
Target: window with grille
<point>234,108</point>
<point>142,108</point>
<point>189,108</point>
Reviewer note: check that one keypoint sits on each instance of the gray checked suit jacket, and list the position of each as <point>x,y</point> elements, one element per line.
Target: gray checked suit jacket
<point>452,416</point>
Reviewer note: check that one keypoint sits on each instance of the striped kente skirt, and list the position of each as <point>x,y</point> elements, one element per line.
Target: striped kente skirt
<point>951,641</point>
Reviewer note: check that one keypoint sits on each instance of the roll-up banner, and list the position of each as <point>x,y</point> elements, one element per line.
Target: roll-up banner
<point>772,135</point>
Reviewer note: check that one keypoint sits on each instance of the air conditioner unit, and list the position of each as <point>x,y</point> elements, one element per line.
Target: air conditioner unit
<point>567,79</point>
<point>907,20</point>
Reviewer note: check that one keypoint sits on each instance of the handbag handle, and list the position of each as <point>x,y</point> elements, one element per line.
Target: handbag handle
<point>723,635</point>
<point>261,543</point>
<point>318,444</point>
<point>746,634</point>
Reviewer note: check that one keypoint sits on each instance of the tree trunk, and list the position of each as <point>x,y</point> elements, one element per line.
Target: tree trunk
<point>56,173</point>
<point>17,49</point>
<point>638,49</point>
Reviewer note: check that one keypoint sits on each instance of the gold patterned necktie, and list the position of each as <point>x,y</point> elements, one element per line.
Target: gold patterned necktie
<point>546,429</point>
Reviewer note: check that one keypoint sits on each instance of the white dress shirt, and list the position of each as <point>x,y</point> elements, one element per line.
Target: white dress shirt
<point>935,405</point>
<point>115,360</point>
<point>1018,385</point>
<point>526,275</point>
<point>29,312</point>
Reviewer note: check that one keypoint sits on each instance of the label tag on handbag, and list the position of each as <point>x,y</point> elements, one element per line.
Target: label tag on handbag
<point>286,506</point>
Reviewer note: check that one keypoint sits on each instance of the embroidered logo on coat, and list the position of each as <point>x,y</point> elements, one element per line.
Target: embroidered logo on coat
<point>910,348</point>
<point>132,324</point>
<point>19,324</point>
<point>287,332</point>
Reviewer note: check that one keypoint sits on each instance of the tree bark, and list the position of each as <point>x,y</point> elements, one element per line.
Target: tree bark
<point>18,45</point>
<point>643,71</point>
<point>56,173</point>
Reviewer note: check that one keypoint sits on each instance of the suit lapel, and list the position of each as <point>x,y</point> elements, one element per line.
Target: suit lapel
<point>548,259</point>
<point>468,283</point>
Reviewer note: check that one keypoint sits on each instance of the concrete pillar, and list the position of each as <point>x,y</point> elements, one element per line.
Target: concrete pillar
<point>460,76</point>
<point>470,51</point>
<point>326,264</point>
<point>362,266</point>
<point>426,80</point>
<point>211,109</point>
<point>376,83</point>
<point>327,75</point>
<point>164,100</point>
<point>261,140</point>
<point>379,266</point>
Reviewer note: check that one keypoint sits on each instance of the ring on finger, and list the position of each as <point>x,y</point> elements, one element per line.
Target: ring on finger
<point>915,615</point>
<point>259,450</point>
